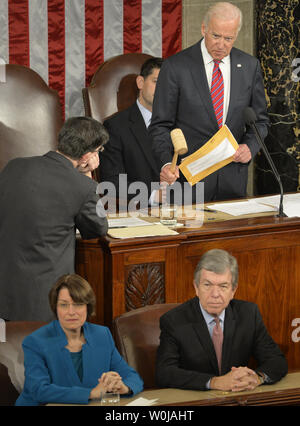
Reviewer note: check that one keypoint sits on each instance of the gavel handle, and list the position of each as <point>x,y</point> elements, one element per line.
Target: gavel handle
<point>174,162</point>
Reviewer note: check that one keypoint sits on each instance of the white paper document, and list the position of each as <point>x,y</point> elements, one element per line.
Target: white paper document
<point>142,402</point>
<point>126,222</point>
<point>291,208</point>
<point>241,207</point>
<point>223,151</point>
<point>291,203</point>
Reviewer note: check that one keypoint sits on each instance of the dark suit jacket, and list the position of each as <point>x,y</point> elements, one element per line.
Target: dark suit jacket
<point>128,151</point>
<point>42,200</point>
<point>186,357</point>
<point>182,100</point>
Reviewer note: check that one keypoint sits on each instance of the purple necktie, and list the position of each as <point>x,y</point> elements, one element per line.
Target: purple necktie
<point>217,92</point>
<point>217,338</point>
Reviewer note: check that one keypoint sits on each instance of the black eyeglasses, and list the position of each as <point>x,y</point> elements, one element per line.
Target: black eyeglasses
<point>100,149</point>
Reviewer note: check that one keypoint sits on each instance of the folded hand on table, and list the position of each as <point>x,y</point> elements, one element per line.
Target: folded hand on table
<point>110,381</point>
<point>237,380</point>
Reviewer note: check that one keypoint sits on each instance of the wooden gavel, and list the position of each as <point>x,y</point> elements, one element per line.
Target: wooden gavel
<point>180,146</point>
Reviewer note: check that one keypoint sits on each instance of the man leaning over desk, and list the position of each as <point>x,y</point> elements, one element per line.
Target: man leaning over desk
<point>208,341</point>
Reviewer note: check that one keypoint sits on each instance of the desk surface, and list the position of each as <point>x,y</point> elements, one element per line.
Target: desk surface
<point>285,392</point>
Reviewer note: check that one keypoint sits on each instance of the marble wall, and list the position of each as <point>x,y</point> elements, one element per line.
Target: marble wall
<point>278,47</point>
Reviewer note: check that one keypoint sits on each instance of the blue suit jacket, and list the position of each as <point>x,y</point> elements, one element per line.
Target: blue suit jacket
<point>50,375</point>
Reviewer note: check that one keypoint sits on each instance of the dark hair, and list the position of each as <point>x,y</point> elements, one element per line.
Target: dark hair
<point>79,289</point>
<point>80,135</point>
<point>218,261</point>
<point>150,65</point>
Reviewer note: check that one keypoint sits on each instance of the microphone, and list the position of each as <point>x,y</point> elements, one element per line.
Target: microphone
<point>250,119</point>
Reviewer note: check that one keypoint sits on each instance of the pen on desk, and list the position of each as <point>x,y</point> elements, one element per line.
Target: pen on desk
<point>117,227</point>
<point>207,210</point>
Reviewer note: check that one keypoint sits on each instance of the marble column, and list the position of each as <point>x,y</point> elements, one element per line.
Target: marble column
<point>278,49</point>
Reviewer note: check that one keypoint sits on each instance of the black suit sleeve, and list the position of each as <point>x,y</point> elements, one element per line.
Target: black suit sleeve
<point>270,360</point>
<point>258,103</point>
<point>169,369</point>
<point>91,220</point>
<point>112,160</point>
<point>164,114</point>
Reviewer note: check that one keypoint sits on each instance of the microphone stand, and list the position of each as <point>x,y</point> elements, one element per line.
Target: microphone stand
<point>275,171</point>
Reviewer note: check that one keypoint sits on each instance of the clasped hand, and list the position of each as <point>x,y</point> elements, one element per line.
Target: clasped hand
<point>237,380</point>
<point>110,381</point>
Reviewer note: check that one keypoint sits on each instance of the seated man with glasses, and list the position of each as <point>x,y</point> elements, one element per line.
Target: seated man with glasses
<point>208,341</point>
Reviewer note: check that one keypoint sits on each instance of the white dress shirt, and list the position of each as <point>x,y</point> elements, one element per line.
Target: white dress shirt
<point>145,113</point>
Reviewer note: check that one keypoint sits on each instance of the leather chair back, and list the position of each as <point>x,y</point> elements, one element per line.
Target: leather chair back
<point>113,86</point>
<point>12,359</point>
<point>136,334</point>
<point>30,114</point>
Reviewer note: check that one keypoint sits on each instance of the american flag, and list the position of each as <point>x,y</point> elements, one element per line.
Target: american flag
<point>65,41</point>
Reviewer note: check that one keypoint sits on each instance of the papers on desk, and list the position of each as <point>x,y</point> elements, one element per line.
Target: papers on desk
<point>142,402</point>
<point>152,230</point>
<point>291,203</point>
<point>241,207</point>
<point>126,222</point>
<point>212,156</point>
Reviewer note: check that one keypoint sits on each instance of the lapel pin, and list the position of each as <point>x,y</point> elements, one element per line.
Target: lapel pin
<point>239,65</point>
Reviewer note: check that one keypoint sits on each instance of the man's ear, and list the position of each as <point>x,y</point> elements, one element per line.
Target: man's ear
<point>233,292</point>
<point>140,82</point>
<point>196,287</point>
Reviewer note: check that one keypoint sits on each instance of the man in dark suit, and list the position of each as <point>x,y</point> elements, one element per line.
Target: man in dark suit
<point>43,200</point>
<point>129,150</point>
<point>208,341</point>
<point>183,100</point>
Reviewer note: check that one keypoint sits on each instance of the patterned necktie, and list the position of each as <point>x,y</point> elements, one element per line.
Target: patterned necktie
<point>217,338</point>
<point>217,92</point>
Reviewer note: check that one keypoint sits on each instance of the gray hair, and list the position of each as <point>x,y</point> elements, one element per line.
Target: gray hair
<point>225,11</point>
<point>218,261</point>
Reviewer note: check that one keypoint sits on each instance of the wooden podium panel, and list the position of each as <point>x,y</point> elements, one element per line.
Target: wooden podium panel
<point>127,274</point>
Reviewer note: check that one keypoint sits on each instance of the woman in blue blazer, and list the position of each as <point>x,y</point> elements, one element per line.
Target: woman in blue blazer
<point>71,360</point>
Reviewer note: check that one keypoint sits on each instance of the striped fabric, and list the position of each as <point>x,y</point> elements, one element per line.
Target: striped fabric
<point>217,92</point>
<point>66,40</point>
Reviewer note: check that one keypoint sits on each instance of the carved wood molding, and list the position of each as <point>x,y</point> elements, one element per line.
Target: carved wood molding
<point>144,285</point>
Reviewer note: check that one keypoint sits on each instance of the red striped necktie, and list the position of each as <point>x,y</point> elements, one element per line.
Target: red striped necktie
<point>217,92</point>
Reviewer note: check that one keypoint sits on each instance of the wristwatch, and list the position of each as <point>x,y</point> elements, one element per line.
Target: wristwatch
<point>262,377</point>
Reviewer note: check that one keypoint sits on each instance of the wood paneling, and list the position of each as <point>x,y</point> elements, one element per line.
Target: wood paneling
<point>130,273</point>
